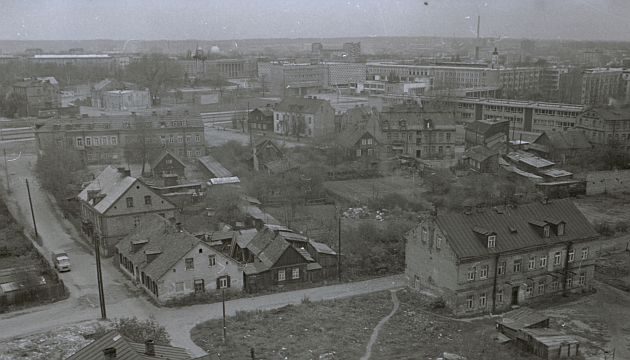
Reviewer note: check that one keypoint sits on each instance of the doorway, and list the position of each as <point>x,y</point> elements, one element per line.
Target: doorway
<point>515,295</point>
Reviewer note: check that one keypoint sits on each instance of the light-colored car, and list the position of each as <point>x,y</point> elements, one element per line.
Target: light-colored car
<point>61,261</point>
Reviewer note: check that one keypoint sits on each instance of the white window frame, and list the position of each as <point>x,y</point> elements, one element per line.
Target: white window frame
<point>582,279</point>
<point>571,255</point>
<point>543,261</point>
<point>281,275</point>
<point>531,265</point>
<point>499,296</point>
<point>492,241</point>
<point>584,253</point>
<point>80,141</point>
<point>470,302</point>
<point>223,282</point>
<point>113,140</point>
<point>483,273</point>
<point>541,288</point>
<point>501,268</point>
<point>190,266</point>
<point>212,260</point>
<point>295,273</point>
<point>88,141</point>
<point>472,273</point>
<point>557,258</point>
<point>483,300</point>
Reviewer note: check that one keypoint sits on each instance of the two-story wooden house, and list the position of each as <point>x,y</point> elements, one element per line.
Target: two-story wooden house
<point>486,260</point>
<point>115,203</point>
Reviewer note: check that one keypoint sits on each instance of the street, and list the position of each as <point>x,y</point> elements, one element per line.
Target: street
<point>121,297</point>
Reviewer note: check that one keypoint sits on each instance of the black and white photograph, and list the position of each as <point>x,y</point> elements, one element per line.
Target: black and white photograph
<point>315,180</point>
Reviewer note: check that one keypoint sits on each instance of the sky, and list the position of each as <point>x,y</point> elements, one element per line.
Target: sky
<point>247,19</point>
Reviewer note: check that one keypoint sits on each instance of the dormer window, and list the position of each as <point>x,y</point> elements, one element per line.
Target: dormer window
<point>546,231</point>
<point>492,240</point>
<point>560,229</point>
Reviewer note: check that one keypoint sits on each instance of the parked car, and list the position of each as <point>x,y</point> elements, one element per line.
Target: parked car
<point>61,261</point>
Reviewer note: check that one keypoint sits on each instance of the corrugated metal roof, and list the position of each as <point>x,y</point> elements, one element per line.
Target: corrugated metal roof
<point>458,227</point>
<point>322,248</point>
<point>522,318</point>
<point>214,166</point>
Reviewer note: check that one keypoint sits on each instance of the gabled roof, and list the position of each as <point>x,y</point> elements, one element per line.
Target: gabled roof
<point>164,239</point>
<point>322,248</point>
<point>215,167</point>
<point>301,105</point>
<point>162,155</point>
<point>126,350</point>
<point>487,127</point>
<point>256,213</point>
<point>110,184</point>
<point>479,153</point>
<point>458,227</point>
<point>265,110</point>
<point>349,137</point>
<point>522,318</point>
<point>570,139</point>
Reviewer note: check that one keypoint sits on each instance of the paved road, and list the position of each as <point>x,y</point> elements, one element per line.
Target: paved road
<point>122,299</point>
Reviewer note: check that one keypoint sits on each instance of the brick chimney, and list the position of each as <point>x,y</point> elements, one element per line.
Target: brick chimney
<point>149,348</point>
<point>109,353</point>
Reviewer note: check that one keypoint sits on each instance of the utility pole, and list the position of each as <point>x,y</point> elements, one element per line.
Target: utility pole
<point>224,327</point>
<point>339,246</point>
<point>6,170</point>
<point>30,201</point>
<point>99,276</point>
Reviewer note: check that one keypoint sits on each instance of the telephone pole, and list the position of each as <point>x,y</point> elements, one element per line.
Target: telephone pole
<point>30,201</point>
<point>99,277</point>
<point>224,327</point>
<point>6,170</point>
<point>339,246</point>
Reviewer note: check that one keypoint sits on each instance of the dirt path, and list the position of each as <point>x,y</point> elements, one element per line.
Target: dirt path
<point>379,326</point>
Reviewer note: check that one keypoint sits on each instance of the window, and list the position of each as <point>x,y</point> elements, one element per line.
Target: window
<point>472,272</point>
<point>554,285</point>
<point>281,275</point>
<point>171,139</point>
<point>113,140</point>
<point>88,141</point>
<point>190,263</point>
<point>582,279</point>
<point>541,288</point>
<point>197,138</point>
<point>482,300</point>
<point>136,221</point>
<point>543,261</point>
<point>104,140</point>
<point>532,263</point>
<point>224,282</point>
<point>188,139</point>
<point>180,139</point>
<point>358,153</point>
<point>517,265</point>
<point>129,201</point>
<point>530,289</point>
<point>501,268</point>
<point>79,142</point>
<point>147,200</point>
<point>211,260</point>
<point>492,239</point>
<point>470,300</point>
<point>571,255</point>
<point>369,141</point>
<point>179,286</point>
<point>483,274</point>
<point>557,257</point>
<point>438,242</point>
<point>424,234</point>
<point>584,253</point>
<point>295,274</point>
<point>560,229</point>
<point>546,231</point>
<point>500,296</point>
<point>569,282</point>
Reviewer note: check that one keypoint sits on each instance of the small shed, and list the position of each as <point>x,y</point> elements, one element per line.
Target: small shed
<point>214,168</point>
<point>549,344</point>
<point>166,163</point>
<point>523,318</point>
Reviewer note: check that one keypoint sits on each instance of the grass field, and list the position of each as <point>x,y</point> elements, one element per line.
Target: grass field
<point>341,330</point>
<point>361,191</point>
<point>605,208</point>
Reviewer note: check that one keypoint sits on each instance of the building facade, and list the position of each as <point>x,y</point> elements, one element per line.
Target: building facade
<point>600,85</point>
<point>305,117</point>
<point>111,139</point>
<point>606,126</point>
<point>39,93</point>
<point>115,203</point>
<point>486,261</point>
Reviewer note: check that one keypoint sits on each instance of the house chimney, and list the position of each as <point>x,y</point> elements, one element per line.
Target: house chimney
<point>138,244</point>
<point>152,255</point>
<point>149,348</point>
<point>109,353</point>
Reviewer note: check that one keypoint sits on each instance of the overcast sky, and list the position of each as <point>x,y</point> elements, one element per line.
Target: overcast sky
<point>240,19</point>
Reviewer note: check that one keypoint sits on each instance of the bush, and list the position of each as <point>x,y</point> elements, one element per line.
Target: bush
<point>140,331</point>
<point>438,303</point>
<point>603,228</point>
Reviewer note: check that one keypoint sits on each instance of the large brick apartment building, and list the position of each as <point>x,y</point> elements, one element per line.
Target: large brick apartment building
<point>488,260</point>
<point>109,139</point>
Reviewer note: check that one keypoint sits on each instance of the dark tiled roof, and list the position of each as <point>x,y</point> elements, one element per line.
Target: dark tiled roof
<point>458,227</point>
<point>126,350</point>
<point>479,153</point>
<point>301,105</point>
<point>571,139</point>
<point>162,237</point>
<point>486,127</point>
<point>349,137</point>
<point>127,123</point>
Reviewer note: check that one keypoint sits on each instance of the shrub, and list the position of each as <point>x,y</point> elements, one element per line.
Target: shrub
<point>140,331</point>
<point>603,228</point>
<point>438,303</point>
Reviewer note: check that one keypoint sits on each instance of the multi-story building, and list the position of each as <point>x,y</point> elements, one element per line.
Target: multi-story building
<point>221,68</point>
<point>519,81</point>
<point>112,139</point>
<point>600,85</point>
<point>487,260</point>
<point>296,79</point>
<point>606,126</point>
<point>305,117</point>
<point>413,131</point>
<point>126,100</point>
<point>550,82</point>
<point>39,93</point>
<point>349,52</point>
<point>342,75</point>
<point>115,203</point>
<point>534,116</point>
<point>104,60</point>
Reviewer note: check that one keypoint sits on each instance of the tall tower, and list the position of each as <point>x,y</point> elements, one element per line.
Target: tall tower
<point>494,62</point>
<point>477,41</point>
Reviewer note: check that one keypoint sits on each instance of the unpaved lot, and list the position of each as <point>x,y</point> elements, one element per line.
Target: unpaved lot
<point>605,208</point>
